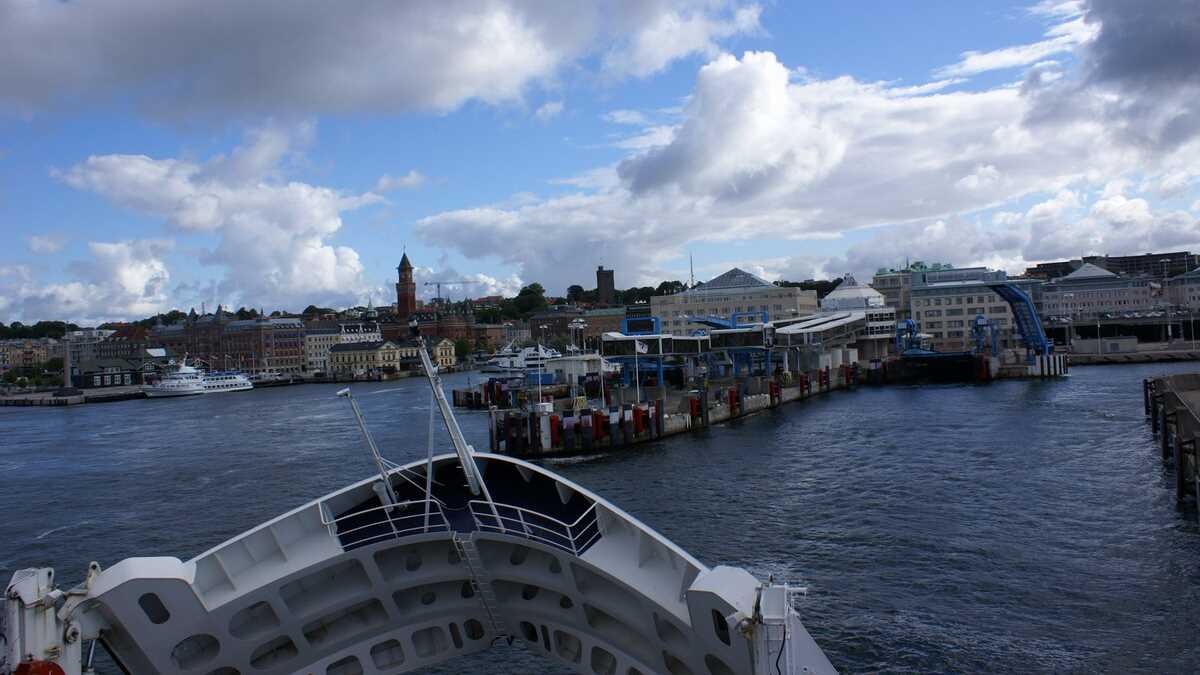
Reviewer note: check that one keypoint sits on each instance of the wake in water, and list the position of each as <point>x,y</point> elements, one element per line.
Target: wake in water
<point>47,533</point>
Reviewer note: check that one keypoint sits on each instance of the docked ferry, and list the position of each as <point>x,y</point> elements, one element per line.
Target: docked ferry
<point>516,360</point>
<point>215,383</point>
<point>411,567</point>
<point>183,380</point>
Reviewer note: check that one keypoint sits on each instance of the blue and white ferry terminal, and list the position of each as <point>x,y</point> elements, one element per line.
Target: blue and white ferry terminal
<point>415,566</point>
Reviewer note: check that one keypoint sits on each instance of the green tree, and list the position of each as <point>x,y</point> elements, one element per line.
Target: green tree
<point>670,288</point>
<point>532,298</point>
<point>462,348</point>
<point>574,293</point>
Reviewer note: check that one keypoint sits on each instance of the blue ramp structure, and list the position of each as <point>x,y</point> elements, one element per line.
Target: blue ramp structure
<point>1026,317</point>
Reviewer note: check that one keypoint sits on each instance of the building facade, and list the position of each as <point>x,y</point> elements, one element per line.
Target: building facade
<point>317,344</point>
<point>946,302</point>
<point>1091,292</point>
<point>730,293</point>
<point>878,336</point>
<point>896,287</point>
<point>365,359</point>
<point>1157,265</point>
<point>28,353</point>
<point>222,343</point>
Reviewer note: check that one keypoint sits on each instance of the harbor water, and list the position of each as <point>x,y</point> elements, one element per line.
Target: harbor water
<point>1018,526</point>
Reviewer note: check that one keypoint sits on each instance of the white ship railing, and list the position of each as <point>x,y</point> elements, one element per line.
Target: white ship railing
<point>393,521</point>
<point>517,521</point>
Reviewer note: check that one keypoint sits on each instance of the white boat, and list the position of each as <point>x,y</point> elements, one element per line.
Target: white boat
<point>512,359</point>
<point>226,381</point>
<point>270,378</point>
<point>412,567</point>
<point>184,380</point>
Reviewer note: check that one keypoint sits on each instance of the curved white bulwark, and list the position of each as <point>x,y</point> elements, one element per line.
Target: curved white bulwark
<point>344,585</point>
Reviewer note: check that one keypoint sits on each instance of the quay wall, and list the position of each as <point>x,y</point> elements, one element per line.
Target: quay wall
<point>1172,406</point>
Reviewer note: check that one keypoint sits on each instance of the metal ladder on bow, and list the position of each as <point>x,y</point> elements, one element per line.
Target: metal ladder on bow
<point>481,582</point>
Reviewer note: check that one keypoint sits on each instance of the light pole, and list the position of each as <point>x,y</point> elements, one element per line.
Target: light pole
<point>541,361</point>
<point>1070,322</point>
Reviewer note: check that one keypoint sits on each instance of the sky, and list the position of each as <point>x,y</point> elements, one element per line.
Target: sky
<point>283,153</point>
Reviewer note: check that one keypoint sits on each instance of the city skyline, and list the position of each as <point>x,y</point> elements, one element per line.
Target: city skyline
<point>794,142</point>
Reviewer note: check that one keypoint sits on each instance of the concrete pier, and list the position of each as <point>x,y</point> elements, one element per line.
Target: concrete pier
<point>565,432</point>
<point>1172,406</point>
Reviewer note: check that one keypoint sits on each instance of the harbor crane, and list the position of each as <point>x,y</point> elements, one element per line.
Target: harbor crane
<point>451,282</point>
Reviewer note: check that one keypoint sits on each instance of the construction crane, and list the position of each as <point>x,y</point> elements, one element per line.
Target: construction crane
<point>453,282</point>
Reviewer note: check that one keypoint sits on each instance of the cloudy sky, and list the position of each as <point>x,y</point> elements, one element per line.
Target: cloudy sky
<point>278,153</point>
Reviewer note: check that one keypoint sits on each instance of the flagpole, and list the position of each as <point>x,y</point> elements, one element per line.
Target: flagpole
<point>637,380</point>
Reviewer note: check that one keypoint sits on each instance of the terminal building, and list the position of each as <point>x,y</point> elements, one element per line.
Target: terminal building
<point>946,302</point>
<point>733,292</point>
<point>1092,291</point>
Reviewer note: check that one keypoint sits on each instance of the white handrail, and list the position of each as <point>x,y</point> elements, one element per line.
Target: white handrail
<point>563,536</point>
<point>395,521</point>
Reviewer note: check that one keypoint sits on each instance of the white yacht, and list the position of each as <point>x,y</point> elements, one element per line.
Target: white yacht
<point>226,381</point>
<point>184,380</point>
<point>512,359</point>
<point>414,566</point>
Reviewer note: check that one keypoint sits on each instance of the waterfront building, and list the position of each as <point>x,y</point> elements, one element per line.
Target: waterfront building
<point>1160,265</point>
<point>879,328</point>
<point>945,303</point>
<point>896,287</point>
<point>597,322</point>
<point>365,359</point>
<point>223,343</point>
<point>388,358</point>
<point>28,352</point>
<point>727,294</point>
<point>317,344</point>
<point>1091,291</point>
<point>442,353</point>
<point>488,335</point>
<point>1183,290</point>
<point>606,289</point>
<point>83,344</point>
<point>554,322</point>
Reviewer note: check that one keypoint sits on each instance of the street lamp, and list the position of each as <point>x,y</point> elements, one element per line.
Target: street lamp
<point>541,361</point>
<point>1070,322</point>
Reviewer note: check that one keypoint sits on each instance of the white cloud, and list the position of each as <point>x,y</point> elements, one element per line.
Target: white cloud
<point>761,155</point>
<point>648,137</point>
<point>630,117</point>
<point>1196,206</point>
<point>744,133</point>
<point>389,183</point>
<point>273,236</point>
<point>119,280</point>
<point>1065,36</point>
<point>227,58</point>
<point>46,243</point>
<point>548,110</point>
<point>663,35</point>
<point>983,176</point>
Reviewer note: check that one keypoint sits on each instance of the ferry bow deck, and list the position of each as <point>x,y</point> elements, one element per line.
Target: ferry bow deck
<point>350,584</point>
